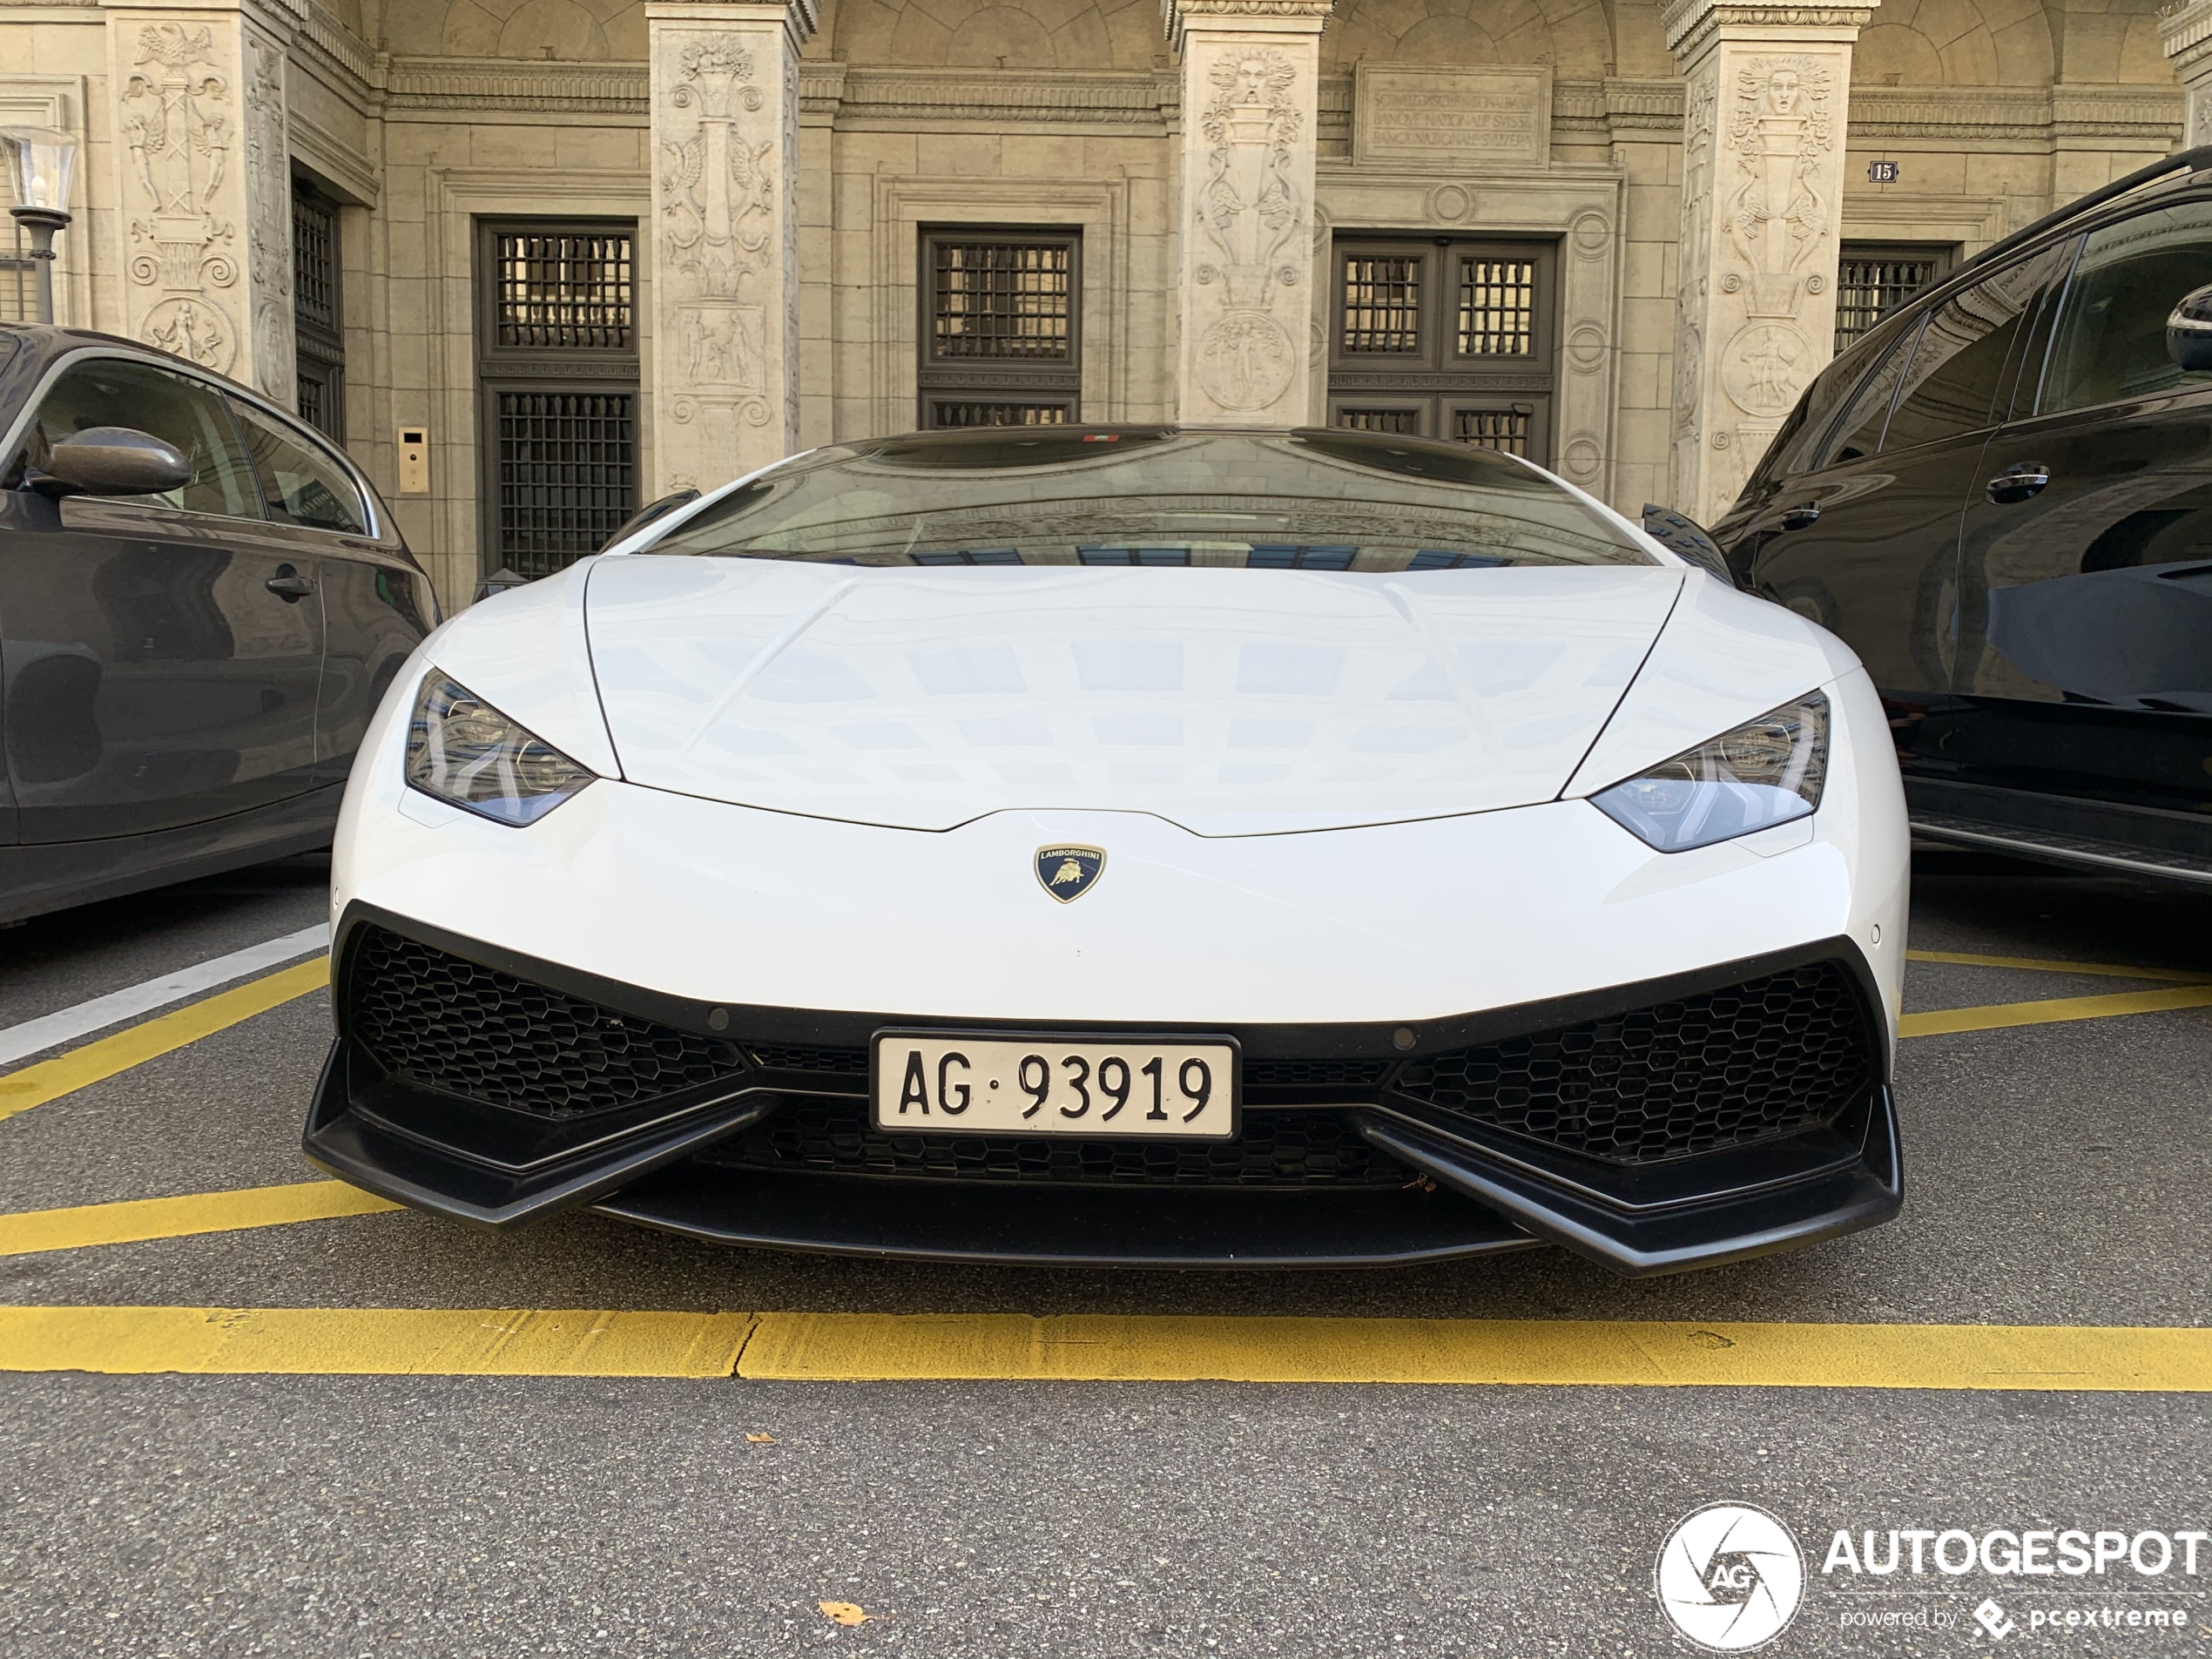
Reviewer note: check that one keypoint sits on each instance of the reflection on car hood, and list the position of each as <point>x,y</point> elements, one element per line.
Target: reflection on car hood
<point>1230,702</point>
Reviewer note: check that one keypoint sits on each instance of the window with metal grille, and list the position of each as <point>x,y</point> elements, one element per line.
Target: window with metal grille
<point>1506,429</point>
<point>565,289</point>
<point>945,413</point>
<point>1381,304</point>
<point>1453,337</point>
<point>557,370</point>
<point>1497,307</point>
<point>318,320</point>
<point>567,475</point>
<point>1000,327</point>
<point>1403,422</point>
<point>1873,279</point>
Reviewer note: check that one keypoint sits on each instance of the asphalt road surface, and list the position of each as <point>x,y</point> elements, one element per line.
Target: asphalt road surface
<point>2057,1177</point>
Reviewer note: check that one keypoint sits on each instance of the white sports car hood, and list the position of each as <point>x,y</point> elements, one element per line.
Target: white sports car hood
<point>1229,701</point>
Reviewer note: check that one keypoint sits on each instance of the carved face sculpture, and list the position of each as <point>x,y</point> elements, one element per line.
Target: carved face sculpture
<point>1784,91</point>
<point>1251,80</point>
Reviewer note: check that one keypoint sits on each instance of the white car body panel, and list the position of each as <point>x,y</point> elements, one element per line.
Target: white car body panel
<point>1723,658</point>
<point>1230,702</point>
<point>524,650</point>
<point>1397,923</point>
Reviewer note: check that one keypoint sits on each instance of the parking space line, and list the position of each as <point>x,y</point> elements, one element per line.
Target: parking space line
<point>388,1342</point>
<point>2056,1011</point>
<point>2047,965</point>
<point>1167,1348</point>
<point>51,1030</point>
<point>987,1347</point>
<point>52,1079</point>
<point>27,1232</point>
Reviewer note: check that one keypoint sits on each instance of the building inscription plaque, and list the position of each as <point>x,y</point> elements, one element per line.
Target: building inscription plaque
<point>1405,114</point>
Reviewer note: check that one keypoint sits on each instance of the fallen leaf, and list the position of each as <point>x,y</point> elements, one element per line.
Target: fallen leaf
<point>844,1613</point>
<point>761,1439</point>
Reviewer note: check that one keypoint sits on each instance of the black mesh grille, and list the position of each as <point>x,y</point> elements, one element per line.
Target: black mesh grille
<point>1767,1058</point>
<point>792,1057</point>
<point>1277,1149</point>
<point>1314,1074</point>
<point>441,1021</point>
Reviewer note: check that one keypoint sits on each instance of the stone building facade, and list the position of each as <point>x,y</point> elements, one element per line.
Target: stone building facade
<point>559,256</point>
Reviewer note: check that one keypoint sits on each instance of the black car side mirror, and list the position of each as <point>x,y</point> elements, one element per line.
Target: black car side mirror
<point>112,460</point>
<point>2188,331</point>
<point>1686,538</point>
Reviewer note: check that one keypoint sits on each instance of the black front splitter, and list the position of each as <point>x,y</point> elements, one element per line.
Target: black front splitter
<point>1010,1223</point>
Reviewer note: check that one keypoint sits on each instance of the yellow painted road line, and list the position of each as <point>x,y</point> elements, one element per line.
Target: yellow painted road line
<point>29,1231</point>
<point>384,1342</point>
<point>867,1347</point>
<point>2047,965</point>
<point>852,1347</point>
<point>2056,1011</point>
<point>52,1079</point>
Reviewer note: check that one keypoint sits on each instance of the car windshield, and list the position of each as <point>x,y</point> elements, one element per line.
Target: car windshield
<point>1314,500</point>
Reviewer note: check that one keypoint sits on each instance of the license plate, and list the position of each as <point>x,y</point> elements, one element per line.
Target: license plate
<point>998,1082</point>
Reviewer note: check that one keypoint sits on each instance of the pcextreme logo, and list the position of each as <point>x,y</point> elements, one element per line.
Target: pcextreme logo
<point>1730,1577</point>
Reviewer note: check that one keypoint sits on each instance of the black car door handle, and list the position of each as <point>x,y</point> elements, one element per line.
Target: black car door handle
<point>2017,483</point>
<point>1801,518</point>
<point>289,587</point>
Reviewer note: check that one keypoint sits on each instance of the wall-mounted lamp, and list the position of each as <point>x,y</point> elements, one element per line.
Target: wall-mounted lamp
<point>40,163</point>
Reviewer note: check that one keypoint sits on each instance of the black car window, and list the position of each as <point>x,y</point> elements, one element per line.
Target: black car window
<point>1958,366</point>
<point>2111,339</point>
<point>1317,500</point>
<point>1805,439</point>
<point>1858,434</point>
<point>182,413</point>
<point>300,482</point>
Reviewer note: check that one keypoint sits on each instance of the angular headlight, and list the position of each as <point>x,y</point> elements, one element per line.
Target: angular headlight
<point>465,752</point>
<point>1765,773</point>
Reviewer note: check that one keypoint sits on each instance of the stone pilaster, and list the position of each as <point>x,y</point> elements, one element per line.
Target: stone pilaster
<point>1766,102</point>
<point>206,188</point>
<point>725,99</point>
<point>1250,81</point>
<point>2186,32</point>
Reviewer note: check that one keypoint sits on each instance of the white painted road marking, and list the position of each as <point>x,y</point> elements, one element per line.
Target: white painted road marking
<point>51,1030</point>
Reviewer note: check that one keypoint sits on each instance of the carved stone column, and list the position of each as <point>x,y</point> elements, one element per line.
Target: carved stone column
<point>1250,72</point>
<point>1766,100</point>
<point>725,236</point>
<point>2186,32</point>
<point>206,187</point>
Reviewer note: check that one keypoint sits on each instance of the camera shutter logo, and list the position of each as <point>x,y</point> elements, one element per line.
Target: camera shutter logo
<point>1730,1577</point>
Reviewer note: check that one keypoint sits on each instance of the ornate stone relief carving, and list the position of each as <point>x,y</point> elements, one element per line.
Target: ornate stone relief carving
<point>718,225</point>
<point>724,104</point>
<point>1764,97</point>
<point>178,123</point>
<point>1248,217</point>
<point>268,220</point>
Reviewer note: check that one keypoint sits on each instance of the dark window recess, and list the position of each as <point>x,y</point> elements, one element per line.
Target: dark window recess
<point>1771,1056</point>
<point>1450,340</point>
<point>567,475</point>
<point>557,374</point>
<point>1873,279</point>
<point>949,412</point>
<point>1001,325</point>
<point>565,289</point>
<point>318,317</point>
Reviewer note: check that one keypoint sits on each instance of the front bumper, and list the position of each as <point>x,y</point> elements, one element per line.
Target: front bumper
<point>1349,1164</point>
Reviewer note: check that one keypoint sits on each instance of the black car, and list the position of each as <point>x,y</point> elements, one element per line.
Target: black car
<point>2002,498</point>
<point>201,602</point>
